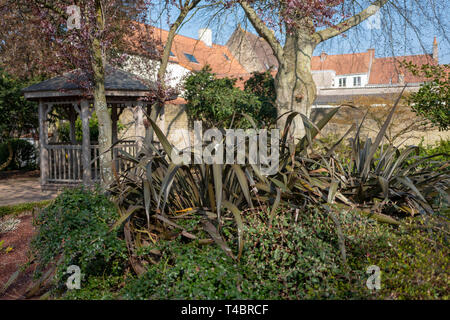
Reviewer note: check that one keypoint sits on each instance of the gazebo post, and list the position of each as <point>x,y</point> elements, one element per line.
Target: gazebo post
<point>72,119</point>
<point>114,119</point>
<point>43,141</point>
<point>86,145</point>
<point>139,124</point>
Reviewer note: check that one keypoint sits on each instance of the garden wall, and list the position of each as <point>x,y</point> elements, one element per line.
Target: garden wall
<point>406,128</point>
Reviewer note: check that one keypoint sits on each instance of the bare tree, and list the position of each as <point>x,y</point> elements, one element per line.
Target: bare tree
<point>295,28</point>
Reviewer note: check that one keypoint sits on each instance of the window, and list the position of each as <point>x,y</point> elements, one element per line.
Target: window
<point>357,81</point>
<point>171,54</point>
<point>226,57</point>
<point>342,82</point>
<point>191,58</point>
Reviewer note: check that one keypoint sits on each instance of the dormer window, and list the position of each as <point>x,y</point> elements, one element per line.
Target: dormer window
<point>357,81</point>
<point>191,58</point>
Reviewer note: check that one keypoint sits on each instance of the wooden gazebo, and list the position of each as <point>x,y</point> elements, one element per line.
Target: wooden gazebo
<point>64,165</point>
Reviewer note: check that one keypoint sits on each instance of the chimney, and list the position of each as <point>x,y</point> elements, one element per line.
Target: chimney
<point>435,50</point>
<point>205,35</point>
<point>371,51</point>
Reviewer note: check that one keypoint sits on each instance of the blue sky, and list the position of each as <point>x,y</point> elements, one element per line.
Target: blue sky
<point>368,35</point>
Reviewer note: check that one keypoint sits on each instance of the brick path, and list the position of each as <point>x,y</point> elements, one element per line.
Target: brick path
<point>18,190</point>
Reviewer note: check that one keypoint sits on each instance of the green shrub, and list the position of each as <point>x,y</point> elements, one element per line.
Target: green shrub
<point>24,155</point>
<point>64,130</point>
<point>416,263</point>
<point>103,287</point>
<point>441,147</point>
<point>413,261</point>
<point>262,84</point>
<point>432,101</point>
<point>76,227</point>
<point>17,114</point>
<point>298,257</point>
<point>288,260</point>
<point>188,272</point>
<point>219,103</point>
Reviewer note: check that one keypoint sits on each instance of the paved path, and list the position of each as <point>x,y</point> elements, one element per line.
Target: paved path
<point>22,190</point>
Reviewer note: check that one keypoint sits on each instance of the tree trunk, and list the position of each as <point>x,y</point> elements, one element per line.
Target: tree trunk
<point>100,105</point>
<point>104,126</point>
<point>10,157</point>
<point>294,84</point>
<point>86,143</point>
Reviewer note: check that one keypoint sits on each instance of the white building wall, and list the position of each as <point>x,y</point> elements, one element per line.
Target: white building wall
<point>349,79</point>
<point>324,78</point>
<point>167,121</point>
<point>148,69</point>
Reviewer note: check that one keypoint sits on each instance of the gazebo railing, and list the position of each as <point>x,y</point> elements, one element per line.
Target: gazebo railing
<point>65,162</point>
<point>120,164</point>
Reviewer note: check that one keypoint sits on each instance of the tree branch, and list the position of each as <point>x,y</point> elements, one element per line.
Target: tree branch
<point>49,6</point>
<point>342,27</point>
<point>263,30</point>
<point>185,9</point>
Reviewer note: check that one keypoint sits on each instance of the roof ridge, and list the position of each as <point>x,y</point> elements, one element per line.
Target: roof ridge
<point>411,55</point>
<point>179,35</point>
<point>343,54</point>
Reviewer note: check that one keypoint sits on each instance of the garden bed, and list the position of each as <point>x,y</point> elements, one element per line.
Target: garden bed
<point>18,240</point>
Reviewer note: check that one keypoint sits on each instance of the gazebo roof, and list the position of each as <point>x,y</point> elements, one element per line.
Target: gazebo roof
<point>117,83</point>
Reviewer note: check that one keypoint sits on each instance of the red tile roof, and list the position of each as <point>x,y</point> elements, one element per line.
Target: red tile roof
<point>224,64</point>
<point>343,63</point>
<point>382,70</point>
<point>389,71</point>
<point>218,57</point>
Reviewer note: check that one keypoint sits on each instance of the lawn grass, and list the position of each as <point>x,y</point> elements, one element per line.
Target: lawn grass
<point>22,207</point>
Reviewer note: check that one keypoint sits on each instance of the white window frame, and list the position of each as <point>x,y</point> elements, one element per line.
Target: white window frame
<point>342,82</point>
<point>357,81</point>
